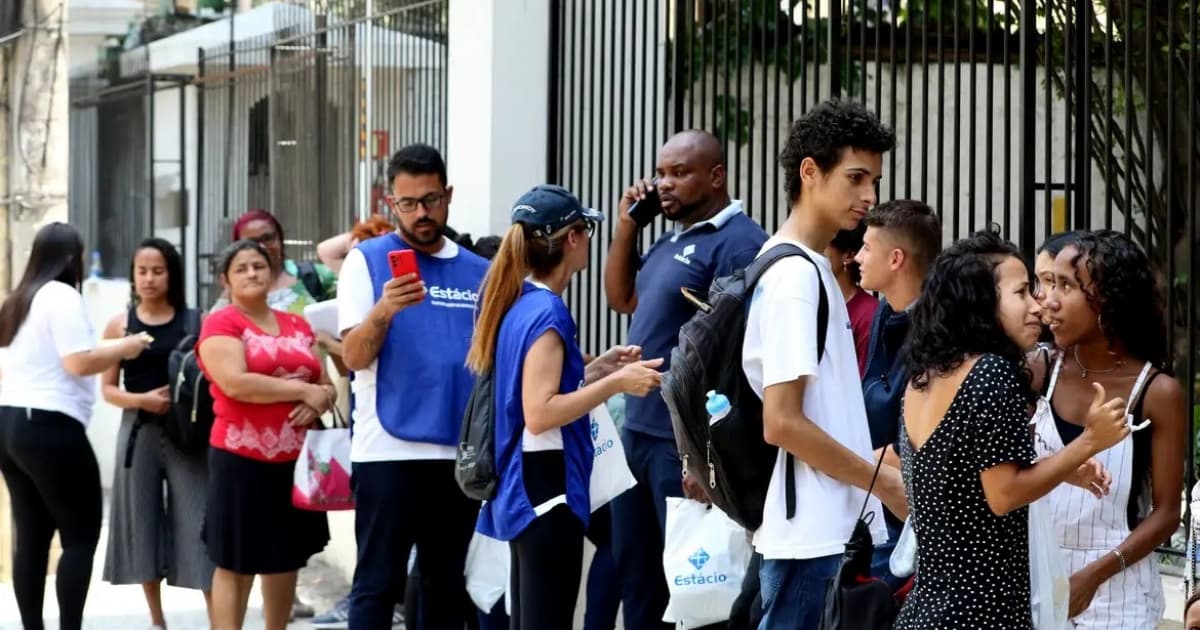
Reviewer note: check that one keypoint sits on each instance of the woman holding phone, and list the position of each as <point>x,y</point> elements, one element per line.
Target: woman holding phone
<point>53,479</point>
<point>543,444</point>
<point>268,388</point>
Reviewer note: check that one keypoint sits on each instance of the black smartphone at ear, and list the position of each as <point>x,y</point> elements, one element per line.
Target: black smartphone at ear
<point>644,211</point>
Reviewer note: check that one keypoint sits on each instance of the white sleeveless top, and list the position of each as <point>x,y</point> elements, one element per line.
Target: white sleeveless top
<point>1083,521</point>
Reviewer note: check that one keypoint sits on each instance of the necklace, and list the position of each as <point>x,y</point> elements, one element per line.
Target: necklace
<point>1083,369</point>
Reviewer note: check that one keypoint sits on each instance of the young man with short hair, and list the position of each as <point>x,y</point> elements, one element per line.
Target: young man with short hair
<point>406,339</point>
<point>812,408</point>
<point>902,240</point>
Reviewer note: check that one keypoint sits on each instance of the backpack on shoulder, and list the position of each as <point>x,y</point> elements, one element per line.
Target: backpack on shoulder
<point>730,459</point>
<point>190,420</point>
<point>475,462</point>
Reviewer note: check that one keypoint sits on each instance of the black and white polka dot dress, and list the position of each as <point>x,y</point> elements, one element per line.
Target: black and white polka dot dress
<point>973,565</point>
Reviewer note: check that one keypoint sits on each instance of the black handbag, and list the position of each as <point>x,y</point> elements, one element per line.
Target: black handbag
<point>855,600</point>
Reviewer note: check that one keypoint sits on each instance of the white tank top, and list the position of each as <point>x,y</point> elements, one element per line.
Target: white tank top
<point>1083,521</point>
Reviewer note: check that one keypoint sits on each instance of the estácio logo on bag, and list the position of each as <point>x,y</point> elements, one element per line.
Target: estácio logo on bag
<point>699,559</point>
<point>603,446</point>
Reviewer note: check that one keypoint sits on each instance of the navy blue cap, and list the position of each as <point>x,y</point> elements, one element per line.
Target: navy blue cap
<point>548,209</point>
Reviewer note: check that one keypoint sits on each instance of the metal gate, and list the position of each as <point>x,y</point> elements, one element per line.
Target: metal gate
<point>303,121</point>
<point>1038,115</point>
<point>117,166</point>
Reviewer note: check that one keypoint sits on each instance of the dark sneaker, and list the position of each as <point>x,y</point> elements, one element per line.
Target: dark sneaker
<point>301,610</point>
<point>335,618</point>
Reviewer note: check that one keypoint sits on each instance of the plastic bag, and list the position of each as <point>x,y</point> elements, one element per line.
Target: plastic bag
<point>704,560</point>
<point>321,477</point>
<point>610,471</point>
<point>903,561</point>
<point>1049,579</point>
<point>486,571</point>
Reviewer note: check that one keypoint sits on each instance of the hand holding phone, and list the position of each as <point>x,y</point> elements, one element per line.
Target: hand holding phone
<point>403,262</point>
<point>398,294</point>
<point>642,201</point>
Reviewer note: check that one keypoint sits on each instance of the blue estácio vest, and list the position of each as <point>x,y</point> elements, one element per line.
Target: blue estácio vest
<point>422,379</point>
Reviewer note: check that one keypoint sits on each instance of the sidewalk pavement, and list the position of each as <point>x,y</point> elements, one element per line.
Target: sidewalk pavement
<point>123,607</point>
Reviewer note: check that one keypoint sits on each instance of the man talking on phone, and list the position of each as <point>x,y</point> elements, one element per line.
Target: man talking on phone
<point>405,334</point>
<point>712,237</point>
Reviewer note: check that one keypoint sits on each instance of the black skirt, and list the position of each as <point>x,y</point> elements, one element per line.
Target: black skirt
<point>251,526</point>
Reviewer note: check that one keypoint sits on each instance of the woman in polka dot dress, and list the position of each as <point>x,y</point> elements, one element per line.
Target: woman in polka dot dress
<point>965,445</point>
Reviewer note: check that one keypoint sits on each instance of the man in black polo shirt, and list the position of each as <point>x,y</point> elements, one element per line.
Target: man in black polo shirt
<point>712,237</point>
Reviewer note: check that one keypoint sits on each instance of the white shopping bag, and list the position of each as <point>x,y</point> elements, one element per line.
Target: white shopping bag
<point>610,472</point>
<point>488,562</point>
<point>1049,579</point>
<point>704,559</point>
<point>321,477</point>
<point>903,561</point>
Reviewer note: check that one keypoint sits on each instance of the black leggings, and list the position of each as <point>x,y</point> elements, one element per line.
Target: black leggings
<point>54,483</point>
<point>547,562</point>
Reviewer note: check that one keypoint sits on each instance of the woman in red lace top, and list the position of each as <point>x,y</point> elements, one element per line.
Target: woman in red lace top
<point>268,389</point>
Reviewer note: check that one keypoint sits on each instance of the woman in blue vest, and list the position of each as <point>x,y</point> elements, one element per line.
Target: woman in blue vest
<point>544,448</point>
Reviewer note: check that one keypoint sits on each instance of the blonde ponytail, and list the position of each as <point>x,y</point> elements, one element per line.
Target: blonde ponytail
<point>500,290</point>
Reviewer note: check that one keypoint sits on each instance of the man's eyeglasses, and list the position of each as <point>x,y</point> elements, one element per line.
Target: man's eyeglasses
<point>432,201</point>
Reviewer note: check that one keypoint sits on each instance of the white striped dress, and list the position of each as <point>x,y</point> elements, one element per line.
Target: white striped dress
<point>1089,528</point>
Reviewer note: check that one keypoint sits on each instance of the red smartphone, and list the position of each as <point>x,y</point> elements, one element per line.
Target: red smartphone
<point>403,262</point>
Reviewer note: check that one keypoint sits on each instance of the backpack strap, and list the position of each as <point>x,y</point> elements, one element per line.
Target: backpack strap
<point>753,273</point>
<point>307,273</point>
<point>191,322</point>
<point>764,262</point>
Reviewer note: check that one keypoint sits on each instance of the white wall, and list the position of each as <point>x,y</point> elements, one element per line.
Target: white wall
<point>497,108</point>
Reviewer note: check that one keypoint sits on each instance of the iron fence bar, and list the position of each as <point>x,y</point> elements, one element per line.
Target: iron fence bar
<point>891,176</point>
<point>1068,111</point>
<point>767,9</point>
<point>989,96</point>
<point>1108,114</point>
<point>833,48</point>
<point>956,232</point>
<point>1148,146</point>
<point>1048,164</point>
<point>1083,115</point>
<point>925,103</point>
<point>1169,183</point>
<point>1028,129</point>
<point>1128,46</point>
<point>908,104</point>
<point>941,111</point>
<point>1007,204</point>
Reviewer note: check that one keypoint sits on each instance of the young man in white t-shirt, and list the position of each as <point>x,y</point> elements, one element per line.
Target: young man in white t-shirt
<point>814,409</point>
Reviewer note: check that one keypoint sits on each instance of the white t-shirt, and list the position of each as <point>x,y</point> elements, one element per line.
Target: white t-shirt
<point>371,442</point>
<point>781,346</point>
<point>56,326</point>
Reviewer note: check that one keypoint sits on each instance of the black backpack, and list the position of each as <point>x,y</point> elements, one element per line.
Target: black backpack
<point>190,420</point>
<point>732,459</point>
<point>307,274</point>
<point>475,462</point>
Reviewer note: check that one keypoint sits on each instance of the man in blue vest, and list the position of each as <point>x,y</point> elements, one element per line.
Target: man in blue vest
<point>406,339</point>
<point>713,236</point>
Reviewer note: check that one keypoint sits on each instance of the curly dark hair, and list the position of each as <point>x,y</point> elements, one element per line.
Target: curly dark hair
<point>956,314</point>
<point>823,132</point>
<point>1124,294</point>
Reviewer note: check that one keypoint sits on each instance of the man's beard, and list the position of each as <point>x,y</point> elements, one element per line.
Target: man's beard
<point>684,212</point>
<point>412,237</point>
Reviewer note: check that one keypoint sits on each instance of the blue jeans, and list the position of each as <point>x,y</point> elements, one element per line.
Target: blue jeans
<point>793,591</point>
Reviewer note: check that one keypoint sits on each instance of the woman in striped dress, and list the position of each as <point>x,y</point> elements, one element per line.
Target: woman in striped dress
<point>1108,324</point>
